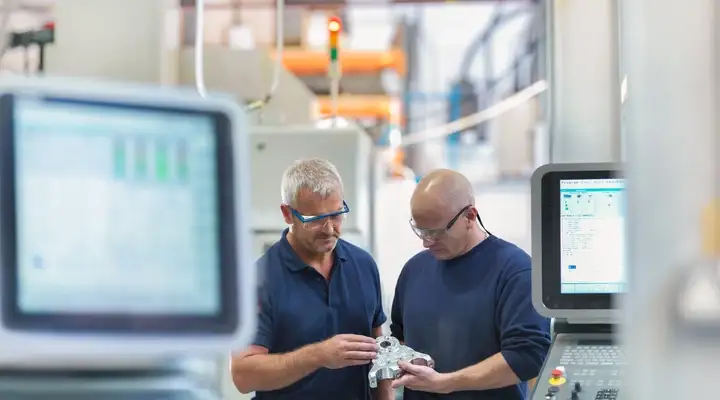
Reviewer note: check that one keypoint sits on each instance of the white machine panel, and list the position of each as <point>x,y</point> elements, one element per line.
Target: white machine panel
<point>273,149</point>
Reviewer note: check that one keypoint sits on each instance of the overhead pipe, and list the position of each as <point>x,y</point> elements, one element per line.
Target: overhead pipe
<point>261,4</point>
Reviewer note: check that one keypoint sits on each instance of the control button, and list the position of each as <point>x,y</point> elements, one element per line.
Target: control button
<point>553,390</point>
<point>578,388</point>
<point>574,396</point>
<point>556,377</point>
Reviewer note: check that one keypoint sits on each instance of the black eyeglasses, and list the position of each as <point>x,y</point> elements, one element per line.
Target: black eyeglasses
<point>438,232</point>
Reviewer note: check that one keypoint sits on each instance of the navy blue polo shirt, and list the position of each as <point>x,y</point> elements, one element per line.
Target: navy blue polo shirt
<point>298,306</point>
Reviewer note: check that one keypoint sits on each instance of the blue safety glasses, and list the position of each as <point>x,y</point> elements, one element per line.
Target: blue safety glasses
<point>318,222</point>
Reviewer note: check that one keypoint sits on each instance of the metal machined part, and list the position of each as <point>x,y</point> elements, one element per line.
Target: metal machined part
<point>385,365</point>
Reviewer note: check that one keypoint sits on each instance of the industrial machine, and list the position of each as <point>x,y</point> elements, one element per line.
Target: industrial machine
<point>273,149</point>
<point>579,271</point>
<point>124,239</point>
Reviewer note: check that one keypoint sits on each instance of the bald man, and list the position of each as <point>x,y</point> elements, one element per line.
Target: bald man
<point>466,302</point>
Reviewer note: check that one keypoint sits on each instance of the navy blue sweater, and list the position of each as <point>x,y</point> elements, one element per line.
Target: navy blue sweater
<point>465,310</point>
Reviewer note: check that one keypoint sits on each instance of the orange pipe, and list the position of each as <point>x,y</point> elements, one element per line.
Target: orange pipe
<point>350,106</point>
<point>315,62</point>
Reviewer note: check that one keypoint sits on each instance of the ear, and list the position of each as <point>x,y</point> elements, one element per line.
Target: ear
<point>286,213</point>
<point>471,215</point>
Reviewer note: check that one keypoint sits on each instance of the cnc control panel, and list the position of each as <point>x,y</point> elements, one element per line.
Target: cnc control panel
<point>582,367</point>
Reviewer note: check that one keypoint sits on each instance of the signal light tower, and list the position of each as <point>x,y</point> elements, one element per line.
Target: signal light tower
<point>334,72</point>
<point>334,29</point>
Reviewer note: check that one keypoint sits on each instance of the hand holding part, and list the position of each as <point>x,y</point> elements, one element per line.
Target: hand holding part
<point>390,353</point>
<point>347,350</point>
<point>422,378</point>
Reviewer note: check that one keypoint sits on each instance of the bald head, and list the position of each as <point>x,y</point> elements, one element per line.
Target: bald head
<point>442,216</point>
<point>442,189</point>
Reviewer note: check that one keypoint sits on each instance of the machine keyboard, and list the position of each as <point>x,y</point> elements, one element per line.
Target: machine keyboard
<point>592,355</point>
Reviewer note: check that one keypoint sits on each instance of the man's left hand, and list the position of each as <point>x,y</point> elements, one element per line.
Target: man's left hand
<point>421,378</point>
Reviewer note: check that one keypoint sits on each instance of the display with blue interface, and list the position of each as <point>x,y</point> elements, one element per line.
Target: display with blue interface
<point>592,236</point>
<point>116,210</point>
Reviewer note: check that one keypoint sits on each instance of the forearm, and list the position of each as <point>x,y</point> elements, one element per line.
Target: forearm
<point>491,373</point>
<point>262,372</point>
<point>377,331</point>
<point>384,390</point>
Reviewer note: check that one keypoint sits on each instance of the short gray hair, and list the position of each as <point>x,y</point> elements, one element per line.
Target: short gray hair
<point>315,174</point>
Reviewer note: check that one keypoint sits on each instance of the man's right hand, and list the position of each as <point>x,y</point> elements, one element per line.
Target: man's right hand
<point>346,350</point>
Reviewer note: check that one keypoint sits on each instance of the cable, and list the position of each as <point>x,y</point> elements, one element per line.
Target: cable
<point>499,18</point>
<point>442,112</point>
<point>26,60</point>
<point>492,82</point>
<point>200,47</point>
<point>279,48</point>
<point>481,41</point>
<point>471,120</point>
<point>41,59</point>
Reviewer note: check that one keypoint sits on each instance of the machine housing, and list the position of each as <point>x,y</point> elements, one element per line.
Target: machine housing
<point>275,148</point>
<point>585,362</point>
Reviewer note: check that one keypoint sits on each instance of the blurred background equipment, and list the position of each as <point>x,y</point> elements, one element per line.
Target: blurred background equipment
<point>492,88</point>
<point>398,79</point>
<point>125,236</point>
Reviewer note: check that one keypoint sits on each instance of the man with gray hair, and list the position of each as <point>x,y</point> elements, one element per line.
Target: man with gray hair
<point>320,301</point>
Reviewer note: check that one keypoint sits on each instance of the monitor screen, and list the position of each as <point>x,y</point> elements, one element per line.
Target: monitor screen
<point>116,215</point>
<point>592,236</point>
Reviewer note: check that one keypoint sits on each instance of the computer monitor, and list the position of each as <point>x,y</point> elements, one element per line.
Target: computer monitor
<point>122,219</point>
<point>578,229</point>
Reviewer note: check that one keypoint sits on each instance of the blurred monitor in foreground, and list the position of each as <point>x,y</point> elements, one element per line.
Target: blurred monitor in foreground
<point>121,227</point>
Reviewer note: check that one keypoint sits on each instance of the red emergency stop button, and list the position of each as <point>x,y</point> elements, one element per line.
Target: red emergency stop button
<point>556,373</point>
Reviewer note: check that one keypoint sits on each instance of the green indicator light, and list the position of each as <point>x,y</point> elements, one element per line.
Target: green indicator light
<point>141,159</point>
<point>333,54</point>
<point>162,170</point>
<point>119,158</point>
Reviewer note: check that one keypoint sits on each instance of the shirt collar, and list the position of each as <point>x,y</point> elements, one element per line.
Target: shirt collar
<point>293,262</point>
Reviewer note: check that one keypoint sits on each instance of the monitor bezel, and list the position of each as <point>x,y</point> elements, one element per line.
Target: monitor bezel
<point>225,321</point>
<point>547,295</point>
